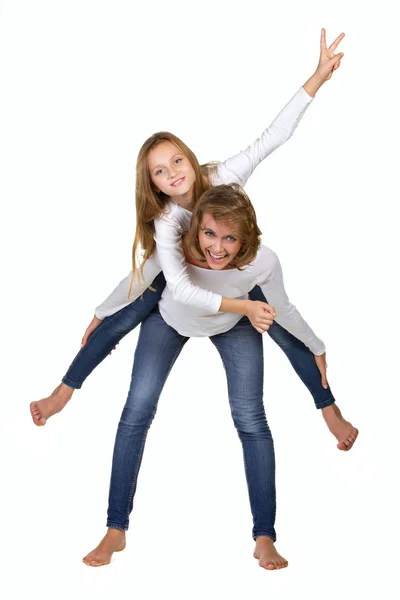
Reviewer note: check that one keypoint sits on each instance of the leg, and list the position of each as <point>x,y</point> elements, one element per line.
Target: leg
<point>303,362</point>
<point>158,347</point>
<point>242,356</point>
<point>99,345</point>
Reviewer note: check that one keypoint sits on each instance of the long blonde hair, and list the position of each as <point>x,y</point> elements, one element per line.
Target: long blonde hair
<point>150,203</point>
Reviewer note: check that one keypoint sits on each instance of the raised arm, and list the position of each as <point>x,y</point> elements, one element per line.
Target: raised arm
<point>239,168</point>
<point>287,315</point>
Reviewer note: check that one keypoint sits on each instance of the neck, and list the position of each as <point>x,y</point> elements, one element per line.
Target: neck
<point>186,201</point>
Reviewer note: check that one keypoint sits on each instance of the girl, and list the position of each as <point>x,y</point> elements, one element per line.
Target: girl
<point>224,255</point>
<point>169,182</point>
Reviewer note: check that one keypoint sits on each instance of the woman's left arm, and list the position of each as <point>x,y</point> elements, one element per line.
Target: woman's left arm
<point>270,279</point>
<point>239,168</point>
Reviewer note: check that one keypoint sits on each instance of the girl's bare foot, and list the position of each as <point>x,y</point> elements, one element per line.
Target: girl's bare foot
<point>343,431</point>
<point>268,555</point>
<point>47,407</point>
<point>113,541</point>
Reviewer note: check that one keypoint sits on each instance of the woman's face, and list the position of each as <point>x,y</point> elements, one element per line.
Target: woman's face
<point>170,170</point>
<point>218,242</point>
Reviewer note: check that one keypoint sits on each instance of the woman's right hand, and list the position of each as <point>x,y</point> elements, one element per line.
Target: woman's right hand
<point>95,322</point>
<point>260,314</point>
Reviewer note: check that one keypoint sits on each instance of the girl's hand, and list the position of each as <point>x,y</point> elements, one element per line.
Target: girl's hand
<point>328,61</point>
<point>95,322</point>
<point>261,315</point>
<point>322,366</point>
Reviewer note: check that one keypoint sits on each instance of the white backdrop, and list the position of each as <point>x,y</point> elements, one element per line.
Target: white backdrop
<point>84,83</point>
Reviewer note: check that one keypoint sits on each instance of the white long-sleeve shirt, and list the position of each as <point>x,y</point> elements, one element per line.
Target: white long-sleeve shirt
<point>192,321</point>
<point>175,221</point>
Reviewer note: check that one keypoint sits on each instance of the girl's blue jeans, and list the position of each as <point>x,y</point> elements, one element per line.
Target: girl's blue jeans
<point>158,348</point>
<point>112,329</point>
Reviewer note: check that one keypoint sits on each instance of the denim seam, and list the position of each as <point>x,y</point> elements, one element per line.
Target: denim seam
<point>134,481</point>
<point>267,533</point>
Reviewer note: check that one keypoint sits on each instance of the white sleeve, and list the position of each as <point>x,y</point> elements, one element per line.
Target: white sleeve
<point>119,297</point>
<point>239,168</point>
<point>172,261</point>
<point>287,314</point>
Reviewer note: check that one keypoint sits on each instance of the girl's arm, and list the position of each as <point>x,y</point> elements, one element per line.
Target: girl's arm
<point>118,298</point>
<point>287,315</point>
<point>172,261</point>
<point>239,168</point>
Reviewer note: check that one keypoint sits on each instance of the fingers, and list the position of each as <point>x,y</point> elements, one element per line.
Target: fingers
<point>335,44</point>
<point>324,381</point>
<point>323,40</point>
<point>84,340</point>
<point>268,308</point>
<point>261,329</point>
<point>336,65</point>
<point>337,58</point>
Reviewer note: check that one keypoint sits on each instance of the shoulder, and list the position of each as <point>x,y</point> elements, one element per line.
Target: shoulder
<point>265,261</point>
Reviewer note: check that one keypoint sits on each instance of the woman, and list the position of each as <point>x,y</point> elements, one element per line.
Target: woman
<point>169,182</point>
<point>224,254</point>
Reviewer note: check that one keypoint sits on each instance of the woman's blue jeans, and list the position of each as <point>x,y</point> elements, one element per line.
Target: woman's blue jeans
<point>158,348</point>
<point>112,329</point>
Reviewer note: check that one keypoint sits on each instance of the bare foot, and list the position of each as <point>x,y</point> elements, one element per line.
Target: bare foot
<point>113,541</point>
<point>47,407</point>
<point>268,555</point>
<point>343,431</point>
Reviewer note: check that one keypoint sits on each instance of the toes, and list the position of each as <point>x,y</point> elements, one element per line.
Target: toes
<point>36,416</point>
<point>349,441</point>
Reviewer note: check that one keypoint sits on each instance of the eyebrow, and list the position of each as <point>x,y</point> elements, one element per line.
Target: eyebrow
<point>212,231</point>
<point>172,158</point>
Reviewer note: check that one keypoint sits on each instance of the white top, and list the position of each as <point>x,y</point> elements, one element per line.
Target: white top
<point>171,224</point>
<point>192,321</point>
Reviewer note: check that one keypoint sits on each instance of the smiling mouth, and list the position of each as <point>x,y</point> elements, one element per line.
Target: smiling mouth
<point>216,259</point>
<point>178,182</point>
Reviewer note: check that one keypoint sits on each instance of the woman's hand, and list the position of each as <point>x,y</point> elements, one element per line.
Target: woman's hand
<point>261,315</point>
<point>95,322</point>
<point>328,62</point>
<point>322,366</point>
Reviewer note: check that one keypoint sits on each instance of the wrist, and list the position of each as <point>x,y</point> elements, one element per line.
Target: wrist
<point>313,84</point>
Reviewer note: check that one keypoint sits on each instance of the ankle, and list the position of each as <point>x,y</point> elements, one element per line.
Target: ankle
<point>64,391</point>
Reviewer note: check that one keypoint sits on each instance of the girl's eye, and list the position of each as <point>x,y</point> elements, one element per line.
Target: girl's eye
<point>178,160</point>
<point>159,171</point>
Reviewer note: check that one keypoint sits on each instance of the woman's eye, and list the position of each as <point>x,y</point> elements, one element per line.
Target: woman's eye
<point>230,238</point>
<point>208,233</point>
<point>178,160</point>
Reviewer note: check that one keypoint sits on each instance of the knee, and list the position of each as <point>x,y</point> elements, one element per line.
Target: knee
<point>251,424</point>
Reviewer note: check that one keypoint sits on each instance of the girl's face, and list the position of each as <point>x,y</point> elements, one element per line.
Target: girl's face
<point>170,170</point>
<point>218,242</point>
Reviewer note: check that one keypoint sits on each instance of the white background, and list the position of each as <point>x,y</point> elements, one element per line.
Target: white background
<point>84,83</point>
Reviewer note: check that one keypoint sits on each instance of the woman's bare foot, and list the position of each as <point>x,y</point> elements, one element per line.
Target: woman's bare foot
<point>268,555</point>
<point>343,431</point>
<point>113,541</point>
<point>47,407</point>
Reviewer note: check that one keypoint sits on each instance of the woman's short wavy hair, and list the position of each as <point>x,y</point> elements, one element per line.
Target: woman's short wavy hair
<point>228,204</point>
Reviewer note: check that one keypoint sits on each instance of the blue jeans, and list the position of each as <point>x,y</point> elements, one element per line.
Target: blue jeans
<point>112,329</point>
<point>157,350</point>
